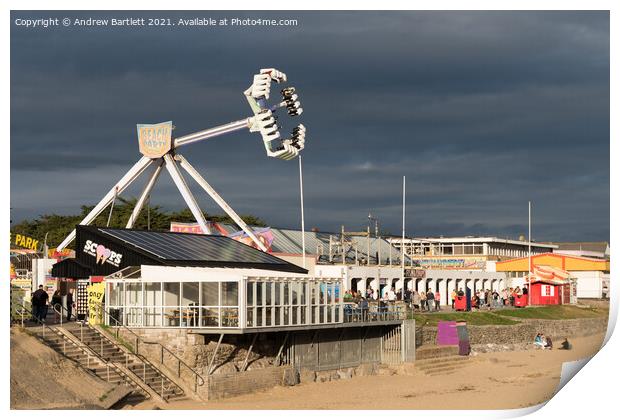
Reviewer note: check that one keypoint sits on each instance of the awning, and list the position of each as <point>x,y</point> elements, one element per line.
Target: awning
<point>71,268</point>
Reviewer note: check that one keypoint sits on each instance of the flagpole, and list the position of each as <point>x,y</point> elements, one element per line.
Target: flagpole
<point>529,251</point>
<point>303,226</point>
<point>402,262</point>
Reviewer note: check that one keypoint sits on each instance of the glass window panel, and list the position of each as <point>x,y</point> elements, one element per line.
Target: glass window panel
<point>152,316</point>
<point>134,317</point>
<point>172,294</point>
<point>287,315</point>
<point>295,290</point>
<point>210,317</point>
<point>303,315</point>
<point>277,293</point>
<point>259,293</point>
<point>116,297</point>
<point>152,294</point>
<point>268,317</point>
<point>116,317</point>
<point>189,316</point>
<point>268,293</point>
<point>210,294</point>
<point>249,293</point>
<point>230,292</point>
<point>294,313</point>
<point>259,317</point>
<point>276,315</point>
<point>134,294</point>
<point>287,291</point>
<point>172,317</point>
<point>249,317</point>
<point>230,317</point>
<point>190,294</point>
<point>303,293</point>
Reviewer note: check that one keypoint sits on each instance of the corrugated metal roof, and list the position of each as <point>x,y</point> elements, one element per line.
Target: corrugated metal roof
<point>289,241</point>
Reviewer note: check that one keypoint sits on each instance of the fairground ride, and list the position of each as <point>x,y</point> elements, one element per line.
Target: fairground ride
<point>159,151</point>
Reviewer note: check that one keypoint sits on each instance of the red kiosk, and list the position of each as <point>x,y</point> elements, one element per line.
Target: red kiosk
<point>549,286</point>
<point>460,304</point>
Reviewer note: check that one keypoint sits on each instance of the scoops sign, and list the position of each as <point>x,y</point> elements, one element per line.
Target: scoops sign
<point>102,254</point>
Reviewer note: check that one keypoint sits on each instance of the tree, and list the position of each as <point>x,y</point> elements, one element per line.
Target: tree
<point>59,226</point>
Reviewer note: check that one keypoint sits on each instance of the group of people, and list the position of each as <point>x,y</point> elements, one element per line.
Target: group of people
<point>428,301</point>
<point>491,299</point>
<point>544,342</point>
<point>41,302</point>
<point>389,295</point>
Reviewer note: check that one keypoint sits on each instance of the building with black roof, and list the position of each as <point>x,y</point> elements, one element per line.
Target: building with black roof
<point>103,251</point>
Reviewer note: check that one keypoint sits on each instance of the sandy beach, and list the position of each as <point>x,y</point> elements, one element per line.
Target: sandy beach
<point>500,380</point>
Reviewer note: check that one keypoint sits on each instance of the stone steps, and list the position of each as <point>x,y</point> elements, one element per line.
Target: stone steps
<point>114,351</point>
<point>440,360</point>
<point>435,360</point>
<point>432,352</point>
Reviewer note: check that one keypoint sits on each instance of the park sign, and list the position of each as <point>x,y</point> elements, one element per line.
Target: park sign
<point>155,140</point>
<point>24,241</point>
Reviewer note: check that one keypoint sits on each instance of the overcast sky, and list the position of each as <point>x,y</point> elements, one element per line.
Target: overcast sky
<point>482,111</point>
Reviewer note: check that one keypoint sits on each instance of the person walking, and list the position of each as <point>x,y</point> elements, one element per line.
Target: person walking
<point>453,297</point>
<point>47,303</point>
<point>40,299</point>
<point>69,304</point>
<point>423,306</point>
<point>437,300</point>
<point>415,299</point>
<point>363,305</point>
<point>57,305</point>
<point>430,301</point>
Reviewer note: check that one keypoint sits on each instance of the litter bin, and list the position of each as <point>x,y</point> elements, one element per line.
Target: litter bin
<point>521,301</point>
<point>461,303</point>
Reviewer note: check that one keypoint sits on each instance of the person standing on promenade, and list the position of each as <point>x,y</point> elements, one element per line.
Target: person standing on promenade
<point>423,306</point>
<point>430,301</point>
<point>415,299</point>
<point>437,298</point>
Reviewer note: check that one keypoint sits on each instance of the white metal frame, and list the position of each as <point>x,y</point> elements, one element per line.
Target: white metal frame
<point>263,121</point>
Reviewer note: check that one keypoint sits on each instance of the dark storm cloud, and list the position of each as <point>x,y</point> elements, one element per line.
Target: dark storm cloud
<point>482,111</point>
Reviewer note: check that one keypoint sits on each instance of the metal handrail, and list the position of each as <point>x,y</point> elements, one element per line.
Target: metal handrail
<point>162,349</point>
<point>83,346</point>
<point>105,360</point>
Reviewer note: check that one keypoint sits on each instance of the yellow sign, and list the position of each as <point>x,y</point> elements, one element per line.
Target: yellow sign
<point>53,253</point>
<point>95,301</point>
<point>155,140</point>
<point>26,242</point>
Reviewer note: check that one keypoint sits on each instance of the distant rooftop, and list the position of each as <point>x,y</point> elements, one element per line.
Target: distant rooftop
<point>476,239</point>
<point>599,247</point>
